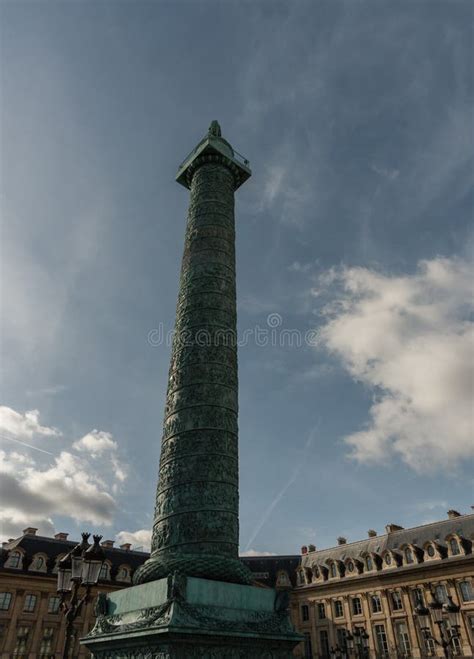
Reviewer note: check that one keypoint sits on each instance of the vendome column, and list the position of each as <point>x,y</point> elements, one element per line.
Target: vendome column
<point>193,597</point>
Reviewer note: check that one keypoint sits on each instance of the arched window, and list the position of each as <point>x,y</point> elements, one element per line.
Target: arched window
<point>350,566</point>
<point>309,575</point>
<point>408,555</point>
<point>123,573</point>
<point>388,558</point>
<point>333,570</point>
<point>454,547</point>
<point>38,564</point>
<point>369,563</point>
<point>283,580</point>
<point>104,573</point>
<point>14,560</point>
<point>431,551</point>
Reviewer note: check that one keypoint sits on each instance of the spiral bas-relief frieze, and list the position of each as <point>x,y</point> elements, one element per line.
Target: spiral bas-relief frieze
<point>196,513</point>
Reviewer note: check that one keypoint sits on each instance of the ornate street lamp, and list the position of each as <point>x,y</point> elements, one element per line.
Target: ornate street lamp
<point>358,641</point>
<point>80,567</point>
<point>438,613</point>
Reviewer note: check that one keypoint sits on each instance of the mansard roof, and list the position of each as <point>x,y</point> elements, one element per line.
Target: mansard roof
<point>265,568</point>
<point>52,547</point>
<point>463,526</point>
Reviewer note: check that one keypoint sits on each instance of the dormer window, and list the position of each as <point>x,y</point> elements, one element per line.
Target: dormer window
<point>350,566</point>
<point>14,560</point>
<point>369,563</point>
<point>283,580</point>
<point>104,573</point>
<point>431,551</point>
<point>388,559</point>
<point>38,564</point>
<point>123,574</point>
<point>409,555</point>
<point>333,570</point>
<point>454,547</point>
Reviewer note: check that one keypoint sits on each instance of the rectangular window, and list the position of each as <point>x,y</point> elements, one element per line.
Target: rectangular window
<point>53,604</point>
<point>46,647</point>
<point>5,601</point>
<point>429,643</point>
<point>305,613</point>
<point>321,611</point>
<point>403,638</point>
<point>471,628</point>
<point>341,636</point>
<point>466,591</point>
<point>338,609</point>
<point>308,650</point>
<point>418,597</point>
<point>441,594</point>
<point>356,606</point>
<point>324,643</point>
<point>21,644</point>
<point>456,645</point>
<point>381,639</point>
<point>376,604</point>
<point>30,603</point>
<point>397,602</point>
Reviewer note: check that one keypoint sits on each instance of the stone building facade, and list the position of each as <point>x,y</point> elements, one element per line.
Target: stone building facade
<point>374,585</point>
<point>31,624</point>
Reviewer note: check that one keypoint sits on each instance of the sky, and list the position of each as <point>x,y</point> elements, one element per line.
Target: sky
<point>354,258</point>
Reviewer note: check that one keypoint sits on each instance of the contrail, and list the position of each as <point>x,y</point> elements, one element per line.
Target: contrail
<point>283,490</point>
<point>18,441</point>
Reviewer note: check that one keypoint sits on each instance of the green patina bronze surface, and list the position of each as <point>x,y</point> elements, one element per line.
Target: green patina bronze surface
<point>189,618</point>
<point>190,599</point>
<point>196,523</point>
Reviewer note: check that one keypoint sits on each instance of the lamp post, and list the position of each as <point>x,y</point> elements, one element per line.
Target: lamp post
<point>449,613</point>
<point>358,641</point>
<point>80,567</point>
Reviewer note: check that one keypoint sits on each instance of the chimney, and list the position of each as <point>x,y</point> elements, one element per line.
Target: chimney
<point>304,549</point>
<point>107,544</point>
<point>341,540</point>
<point>29,531</point>
<point>372,533</point>
<point>453,513</point>
<point>311,547</point>
<point>61,536</point>
<point>390,528</point>
<point>126,546</point>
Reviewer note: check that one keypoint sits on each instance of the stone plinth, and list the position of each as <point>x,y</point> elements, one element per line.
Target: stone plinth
<point>189,618</point>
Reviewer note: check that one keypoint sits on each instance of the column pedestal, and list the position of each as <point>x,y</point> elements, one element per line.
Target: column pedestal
<point>189,618</point>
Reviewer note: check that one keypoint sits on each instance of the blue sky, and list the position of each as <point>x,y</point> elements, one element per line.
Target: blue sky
<point>356,226</point>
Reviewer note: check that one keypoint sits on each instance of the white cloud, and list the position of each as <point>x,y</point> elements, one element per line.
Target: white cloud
<point>23,426</point>
<point>141,538</point>
<point>96,442</point>
<point>76,483</point>
<point>255,552</point>
<point>409,339</point>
